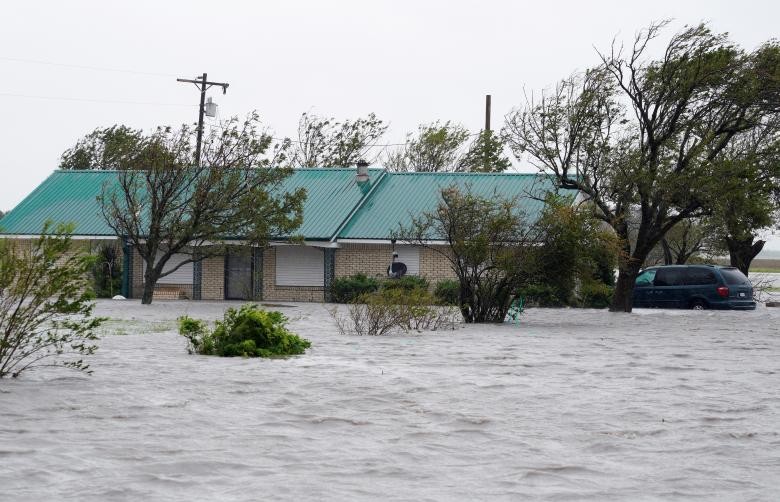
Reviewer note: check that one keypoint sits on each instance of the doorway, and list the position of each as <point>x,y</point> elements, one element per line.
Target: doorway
<point>238,275</point>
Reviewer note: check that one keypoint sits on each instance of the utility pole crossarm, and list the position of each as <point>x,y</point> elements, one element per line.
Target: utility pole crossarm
<point>203,85</point>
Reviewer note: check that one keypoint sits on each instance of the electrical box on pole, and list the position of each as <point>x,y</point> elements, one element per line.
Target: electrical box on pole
<point>203,85</point>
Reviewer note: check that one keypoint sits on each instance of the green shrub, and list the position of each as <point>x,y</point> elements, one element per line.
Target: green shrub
<point>596,295</point>
<point>542,295</point>
<point>447,292</point>
<point>347,289</point>
<point>246,332</point>
<point>407,282</point>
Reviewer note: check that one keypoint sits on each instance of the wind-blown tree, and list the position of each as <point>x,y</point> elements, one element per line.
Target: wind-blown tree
<point>437,147</point>
<point>103,148</point>
<point>163,205</point>
<point>45,304</point>
<point>749,201</point>
<point>487,240</point>
<point>324,142</point>
<point>485,154</point>
<point>641,134</point>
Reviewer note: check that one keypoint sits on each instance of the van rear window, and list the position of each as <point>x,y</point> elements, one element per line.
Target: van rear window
<point>733,276</point>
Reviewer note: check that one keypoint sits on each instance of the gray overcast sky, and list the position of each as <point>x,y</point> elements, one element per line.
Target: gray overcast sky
<point>407,61</point>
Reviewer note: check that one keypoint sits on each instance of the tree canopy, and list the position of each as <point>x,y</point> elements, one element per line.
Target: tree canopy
<point>163,205</point>
<point>642,134</point>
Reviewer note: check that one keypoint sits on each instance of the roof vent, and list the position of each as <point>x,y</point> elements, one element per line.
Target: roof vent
<point>362,171</point>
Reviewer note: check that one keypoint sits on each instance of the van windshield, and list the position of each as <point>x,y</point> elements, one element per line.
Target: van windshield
<point>733,276</point>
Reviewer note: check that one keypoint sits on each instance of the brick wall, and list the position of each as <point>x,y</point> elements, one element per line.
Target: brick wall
<point>213,279</point>
<point>350,259</point>
<point>373,259</point>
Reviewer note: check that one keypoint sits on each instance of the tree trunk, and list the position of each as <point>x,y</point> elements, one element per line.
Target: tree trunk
<point>742,252</point>
<point>623,297</point>
<point>150,280</point>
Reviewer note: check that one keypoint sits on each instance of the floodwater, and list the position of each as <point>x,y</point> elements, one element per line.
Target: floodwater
<point>567,405</point>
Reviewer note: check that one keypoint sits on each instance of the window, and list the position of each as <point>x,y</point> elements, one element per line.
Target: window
<point>646,278</point>
<point>409,256</point>
<point>733,276</point>
<point>699,277</point>
<point>672,276</point>
<point>300,266</point>
<point>181,276</point>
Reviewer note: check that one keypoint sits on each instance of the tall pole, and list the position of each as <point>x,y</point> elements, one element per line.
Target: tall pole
<point>487,137</point>
<point>203,85</point>
<point>200,118</point>
<point>487,112</point>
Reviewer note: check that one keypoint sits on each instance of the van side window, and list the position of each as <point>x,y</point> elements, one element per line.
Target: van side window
<point>669,277</point>
<point>699,277</point>
<point>646,278</point>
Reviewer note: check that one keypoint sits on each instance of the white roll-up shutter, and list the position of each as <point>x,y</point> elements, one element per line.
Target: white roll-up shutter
<point>410,256</point>
<point>300,266</point>
<point>182,276</point>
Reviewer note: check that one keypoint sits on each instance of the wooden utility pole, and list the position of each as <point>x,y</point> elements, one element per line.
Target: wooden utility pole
<point>487,133</point>
<point>203,85</point>
<point>487,112</point>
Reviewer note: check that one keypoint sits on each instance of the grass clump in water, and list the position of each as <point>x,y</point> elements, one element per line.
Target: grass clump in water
<point>247,332</point>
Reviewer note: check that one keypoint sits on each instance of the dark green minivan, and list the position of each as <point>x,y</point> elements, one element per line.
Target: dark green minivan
<point>693,287</point>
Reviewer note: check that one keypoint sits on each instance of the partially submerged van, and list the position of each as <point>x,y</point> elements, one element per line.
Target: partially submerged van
<point>693,287</point>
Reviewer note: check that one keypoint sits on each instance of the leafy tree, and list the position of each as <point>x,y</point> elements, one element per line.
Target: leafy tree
<point>107,270</point>
<point>437,147</point>
<point>641,134</point>
<point>163,205</point>
<point>573,249</point>
<point>486,154</point>
<point>45,304</point>
<point>487,242</point>
<point>750,197</point>
<point>324,142</point>
<point>103,148</point>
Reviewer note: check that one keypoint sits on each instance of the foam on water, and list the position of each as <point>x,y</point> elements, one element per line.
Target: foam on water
<point>571,404</point>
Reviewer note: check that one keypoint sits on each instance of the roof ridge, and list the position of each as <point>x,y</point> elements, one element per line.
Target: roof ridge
<point>458,173</point>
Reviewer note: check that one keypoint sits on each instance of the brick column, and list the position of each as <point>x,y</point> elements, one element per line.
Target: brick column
<point>257,274</point>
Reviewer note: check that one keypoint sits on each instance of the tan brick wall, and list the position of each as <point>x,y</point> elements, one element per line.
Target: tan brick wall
<point>272,292</point>
<point>138,274</point>
<point>373,259</point>
<point>213,278</point>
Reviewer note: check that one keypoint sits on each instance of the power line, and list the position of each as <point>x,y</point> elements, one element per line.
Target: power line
<point>86,67</point>
<point>90,100</point>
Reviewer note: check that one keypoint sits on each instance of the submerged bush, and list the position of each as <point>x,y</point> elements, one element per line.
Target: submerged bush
<point>246,332</point>
<point>542,295</point>
<point>596,295</point>
<point>395,309</point>
<point>447,292</point>
<point>347,289</point>
<point>407,283</point>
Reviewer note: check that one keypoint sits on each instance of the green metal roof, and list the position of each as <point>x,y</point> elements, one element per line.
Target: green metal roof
<point>64,197</point>
<point>71,197</point>
<point>331,195</point>
<point>401,195</point>
<point>336,207</point>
